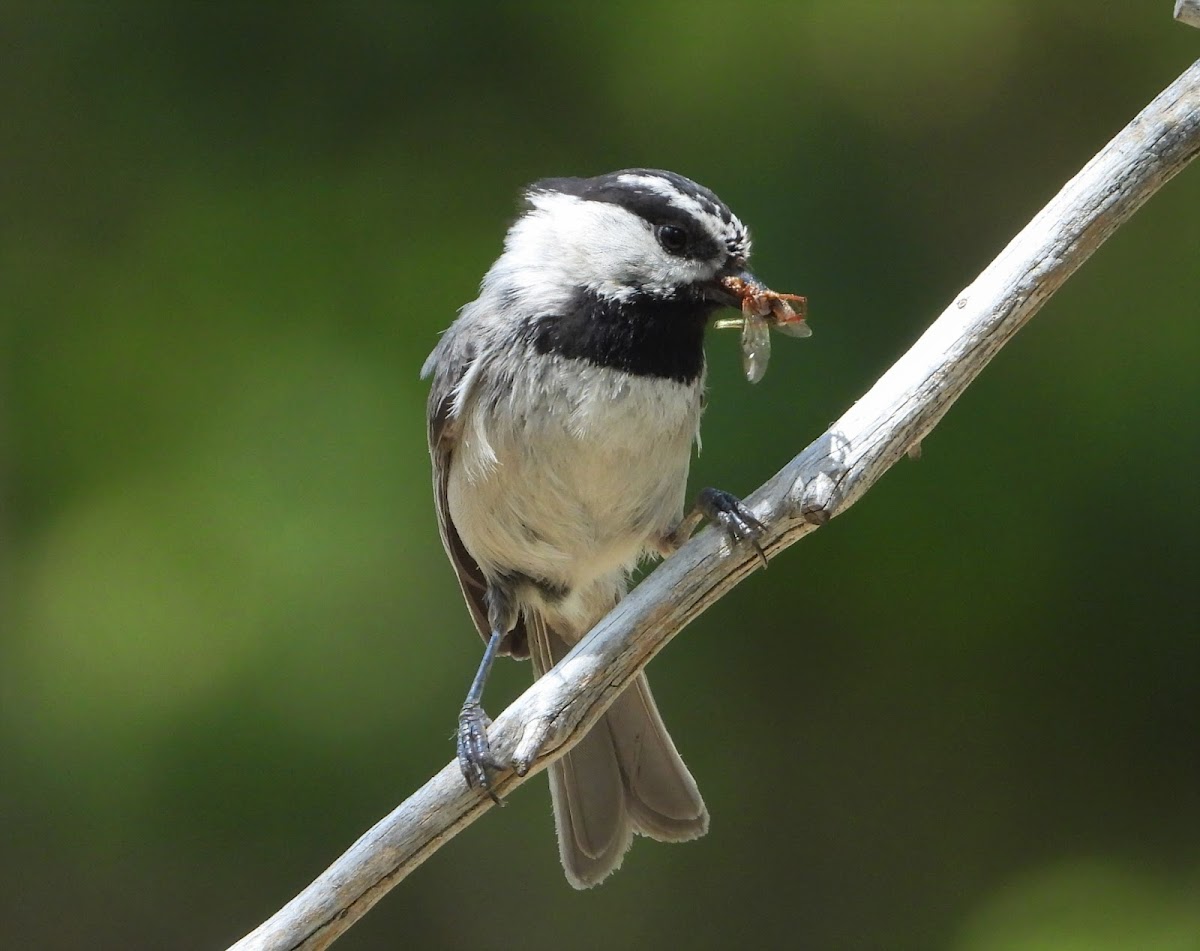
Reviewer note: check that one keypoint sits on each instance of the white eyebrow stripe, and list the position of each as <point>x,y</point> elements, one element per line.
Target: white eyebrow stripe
<point>737,240</point>
<point>675,198</point>
<point>650,182</point>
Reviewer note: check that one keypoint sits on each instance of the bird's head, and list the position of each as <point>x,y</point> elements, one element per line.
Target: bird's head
<point>636,234</point>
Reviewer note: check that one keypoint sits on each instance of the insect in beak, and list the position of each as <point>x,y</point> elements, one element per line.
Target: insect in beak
<point>762,309</point>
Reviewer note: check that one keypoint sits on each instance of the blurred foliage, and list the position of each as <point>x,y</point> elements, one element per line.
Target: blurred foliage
<point>963,717</point>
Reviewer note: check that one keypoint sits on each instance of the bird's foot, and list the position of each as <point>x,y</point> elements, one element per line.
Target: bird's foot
<point>735,517</point>
<point>475,756</point>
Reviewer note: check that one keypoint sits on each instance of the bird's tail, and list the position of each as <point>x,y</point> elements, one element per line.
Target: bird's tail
<point>624,777</point>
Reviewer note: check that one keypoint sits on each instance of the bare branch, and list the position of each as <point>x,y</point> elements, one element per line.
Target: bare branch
<point>818,484</point>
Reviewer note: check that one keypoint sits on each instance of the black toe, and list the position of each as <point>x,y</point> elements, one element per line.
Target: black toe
<point>475,757</point>
<point>739,523</point>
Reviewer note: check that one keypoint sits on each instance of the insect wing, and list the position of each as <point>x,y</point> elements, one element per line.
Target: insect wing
<point>794,328</point>
<point>756,347</point>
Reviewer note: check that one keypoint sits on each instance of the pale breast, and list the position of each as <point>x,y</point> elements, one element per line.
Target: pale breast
<point>568,472</point>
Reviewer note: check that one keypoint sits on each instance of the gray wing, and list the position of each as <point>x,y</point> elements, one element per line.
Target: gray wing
<point>450,360</point>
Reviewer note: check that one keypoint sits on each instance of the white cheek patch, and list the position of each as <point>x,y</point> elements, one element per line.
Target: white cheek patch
<point>569,242</point>
<point>629,258</point>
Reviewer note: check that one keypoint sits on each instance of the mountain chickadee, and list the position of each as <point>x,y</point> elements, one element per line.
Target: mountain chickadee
<point>564,405</point>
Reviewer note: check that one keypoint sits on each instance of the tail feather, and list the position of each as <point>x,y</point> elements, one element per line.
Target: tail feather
<point>661,794</point>
<point>594,831</point>
<point>624,777</point>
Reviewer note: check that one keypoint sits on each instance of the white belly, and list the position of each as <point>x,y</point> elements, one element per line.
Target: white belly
<point>567,475</point>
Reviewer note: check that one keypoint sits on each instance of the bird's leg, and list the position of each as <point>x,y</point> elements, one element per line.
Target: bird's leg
<point>726,510</point>
<point>475,755</point>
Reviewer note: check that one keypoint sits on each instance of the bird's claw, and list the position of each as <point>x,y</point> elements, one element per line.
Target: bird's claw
<point>735,518</point>
<point>475,756</point>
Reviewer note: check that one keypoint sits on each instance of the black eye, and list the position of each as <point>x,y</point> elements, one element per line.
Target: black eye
<point>674,240</point>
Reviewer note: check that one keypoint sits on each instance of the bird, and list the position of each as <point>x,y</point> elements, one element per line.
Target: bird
<point>564,406</point>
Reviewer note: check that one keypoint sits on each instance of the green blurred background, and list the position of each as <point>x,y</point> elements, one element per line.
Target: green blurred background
<point>964,717</point>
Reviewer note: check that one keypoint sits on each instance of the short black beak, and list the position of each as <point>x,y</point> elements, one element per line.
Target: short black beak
<point>723,288</point>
